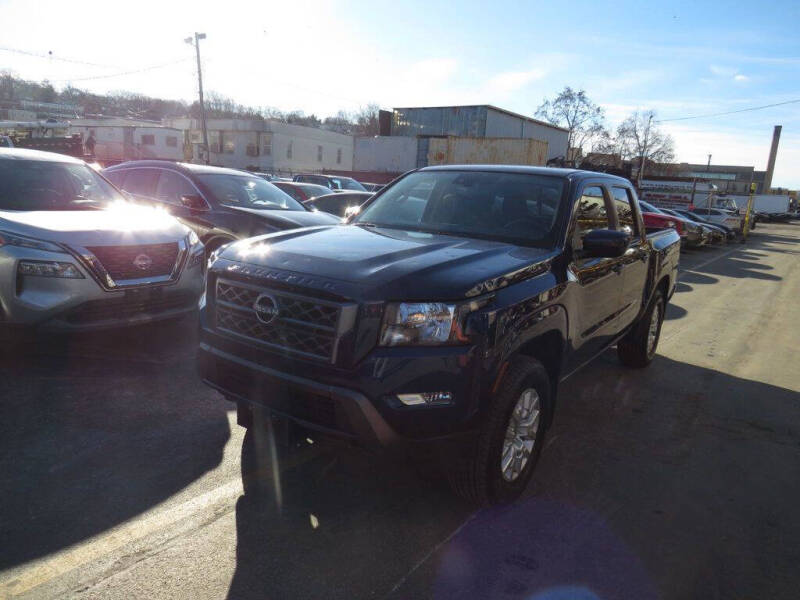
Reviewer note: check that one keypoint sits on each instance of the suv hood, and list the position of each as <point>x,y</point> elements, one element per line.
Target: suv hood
<point>115,226</point>
<point>290,219</point>
<point>391,264</point>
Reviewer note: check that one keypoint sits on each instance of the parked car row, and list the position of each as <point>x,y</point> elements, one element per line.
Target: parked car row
<point>696,228</point>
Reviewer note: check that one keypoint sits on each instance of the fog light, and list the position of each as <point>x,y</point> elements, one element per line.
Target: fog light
<point>47,268</point>
<point>426,398</point>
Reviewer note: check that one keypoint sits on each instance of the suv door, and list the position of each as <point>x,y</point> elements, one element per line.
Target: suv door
<point>598,280</point>
<point>634,261</point>
<point>171,186</point>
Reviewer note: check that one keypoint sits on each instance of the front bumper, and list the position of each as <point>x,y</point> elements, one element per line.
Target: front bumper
<point>81,304</point>
<point>359,403</point>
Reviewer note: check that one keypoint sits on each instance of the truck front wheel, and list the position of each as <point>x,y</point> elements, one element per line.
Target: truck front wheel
<point>498,468</point>
<point>638,347</point>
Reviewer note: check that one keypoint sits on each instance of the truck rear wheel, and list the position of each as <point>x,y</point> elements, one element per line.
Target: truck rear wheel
<point>639,345</point>
<point>500,465</point>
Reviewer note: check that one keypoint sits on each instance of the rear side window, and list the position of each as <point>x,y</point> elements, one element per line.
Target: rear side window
<point>293,192</point>
<point>141,182</point>
<point>623,205</point>
<point>591,213</point>
<point>172,186</point>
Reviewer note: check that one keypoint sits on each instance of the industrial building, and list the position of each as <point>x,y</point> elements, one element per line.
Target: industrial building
<point>482,121</point>
<point>269,146</point>
<point>119,139</point>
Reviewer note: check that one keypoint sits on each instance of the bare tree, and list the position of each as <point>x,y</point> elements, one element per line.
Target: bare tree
<point>366,120</point>
<point>573,110</point>
<point>637,137</point>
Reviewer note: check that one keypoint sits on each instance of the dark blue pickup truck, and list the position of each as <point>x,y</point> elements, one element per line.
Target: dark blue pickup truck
<point>440,320</point>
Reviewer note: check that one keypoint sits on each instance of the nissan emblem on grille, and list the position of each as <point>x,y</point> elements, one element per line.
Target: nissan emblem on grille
<point>266,308</point>
<point>142,262</point>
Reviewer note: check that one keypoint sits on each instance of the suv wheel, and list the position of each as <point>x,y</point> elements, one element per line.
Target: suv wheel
<point>639,345</point>
<point>499,468</point>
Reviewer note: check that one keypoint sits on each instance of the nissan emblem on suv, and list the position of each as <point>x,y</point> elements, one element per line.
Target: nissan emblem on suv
<point>266,308</point>
<point>142,262</point>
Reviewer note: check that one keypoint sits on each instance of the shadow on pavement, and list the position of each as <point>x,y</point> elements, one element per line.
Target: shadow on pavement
<point>97,429</point>
<point>675,481</point>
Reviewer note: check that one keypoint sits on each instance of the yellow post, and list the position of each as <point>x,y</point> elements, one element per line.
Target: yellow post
<point>746,228</point>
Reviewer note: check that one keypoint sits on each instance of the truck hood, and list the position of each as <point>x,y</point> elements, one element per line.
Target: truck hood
<point>290,219</point>
<point>115,226</point>
<point>390,264</point>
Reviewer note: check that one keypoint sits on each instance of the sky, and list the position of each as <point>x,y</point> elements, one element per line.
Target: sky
<point>678,58</point>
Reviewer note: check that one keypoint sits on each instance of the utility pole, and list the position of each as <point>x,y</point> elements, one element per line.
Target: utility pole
<point>708,166</point>
<point>196,42</point>
<point>644,151</point>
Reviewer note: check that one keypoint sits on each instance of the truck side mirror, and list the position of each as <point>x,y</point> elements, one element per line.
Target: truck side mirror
<point>605,243</point>
<point>194,202</point>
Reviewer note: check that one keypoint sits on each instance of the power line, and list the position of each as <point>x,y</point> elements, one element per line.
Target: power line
<point>58,58</point>
<point>730,112</point>
<point>142,70</point>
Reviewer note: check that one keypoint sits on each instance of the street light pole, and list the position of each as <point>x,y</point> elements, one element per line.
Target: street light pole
<point>196,40</point>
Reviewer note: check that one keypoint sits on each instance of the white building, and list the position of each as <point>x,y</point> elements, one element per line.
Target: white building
<point>269,146</point>
<point>120,139</point>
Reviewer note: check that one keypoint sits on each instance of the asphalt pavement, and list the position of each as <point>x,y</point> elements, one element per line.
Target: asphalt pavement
<point>120,472</point>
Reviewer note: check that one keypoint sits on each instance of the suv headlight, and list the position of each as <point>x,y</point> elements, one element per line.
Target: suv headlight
<point>12,239</point>
<point>426,323</point>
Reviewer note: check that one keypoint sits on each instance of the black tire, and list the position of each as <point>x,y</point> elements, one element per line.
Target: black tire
<point>635,349</point>
<point>478,475</point>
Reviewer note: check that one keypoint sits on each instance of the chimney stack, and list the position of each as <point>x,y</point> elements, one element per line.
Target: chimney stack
<point>773,154</point>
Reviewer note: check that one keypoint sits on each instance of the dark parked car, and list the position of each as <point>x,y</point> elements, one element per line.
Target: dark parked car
<point>716,233</point>
<point>730,234</point>
<point>333,182</point>
<point>220,205</point>
<point>342,205</point>
<point>441,319</point>
<point>302,191</point>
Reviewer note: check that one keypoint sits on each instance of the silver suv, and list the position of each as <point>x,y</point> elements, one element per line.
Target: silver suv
<point>74,255</point>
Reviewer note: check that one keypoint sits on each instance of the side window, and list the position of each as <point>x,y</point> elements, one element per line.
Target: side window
<point>172,186</point>
<point>141,182</point>
<point>294,193</point>
<point>590,214</point>
<point>115,177</point>
<point>623,204</point>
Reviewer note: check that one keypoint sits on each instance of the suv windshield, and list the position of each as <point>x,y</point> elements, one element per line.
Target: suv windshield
<point>509,207</point>
<point>50,185</point>
<point>249,192</point>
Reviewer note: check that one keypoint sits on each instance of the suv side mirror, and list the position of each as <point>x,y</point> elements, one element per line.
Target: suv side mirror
<point>194,202</point>
<point>605,243</point>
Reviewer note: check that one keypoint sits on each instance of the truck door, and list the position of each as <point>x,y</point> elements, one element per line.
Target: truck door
<point>597,281</point>
<point>634,261</point>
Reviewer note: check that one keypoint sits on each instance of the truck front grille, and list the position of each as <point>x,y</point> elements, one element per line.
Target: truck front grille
<point>136,262</point>
<point>299,325</point>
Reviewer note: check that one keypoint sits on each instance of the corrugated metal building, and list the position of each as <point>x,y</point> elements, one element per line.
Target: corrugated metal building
<point>483,121</point>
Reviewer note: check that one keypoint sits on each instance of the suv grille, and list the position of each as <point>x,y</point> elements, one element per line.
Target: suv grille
<point>300,325</point>
<point>135,262</point>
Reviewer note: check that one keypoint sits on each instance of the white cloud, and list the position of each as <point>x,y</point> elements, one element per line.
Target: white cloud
<point>513,81</point>
<point>741,78</point>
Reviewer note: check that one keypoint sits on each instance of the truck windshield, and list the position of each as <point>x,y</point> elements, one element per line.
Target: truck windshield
<point>249,192</point>
<point>509,207</point>
<point>51,185</point>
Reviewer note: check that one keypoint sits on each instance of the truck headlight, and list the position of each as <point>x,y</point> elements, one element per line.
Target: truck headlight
<point>417,324</point>
<point>426,323</point>
<point>47,268</point>
<point>12,239</point>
